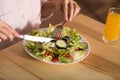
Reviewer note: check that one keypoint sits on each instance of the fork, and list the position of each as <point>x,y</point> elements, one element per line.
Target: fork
<point>58,29</point>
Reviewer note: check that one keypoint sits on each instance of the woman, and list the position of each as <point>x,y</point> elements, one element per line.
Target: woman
<point>21,16</point>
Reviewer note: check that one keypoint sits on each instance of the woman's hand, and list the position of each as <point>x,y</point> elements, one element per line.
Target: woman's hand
<point>6,32</point>
<point>70,9</point>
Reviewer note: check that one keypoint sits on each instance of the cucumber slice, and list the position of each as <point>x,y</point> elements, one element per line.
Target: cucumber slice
<point>66,38</point>
<point>61,44</point>
<point>83,45</point>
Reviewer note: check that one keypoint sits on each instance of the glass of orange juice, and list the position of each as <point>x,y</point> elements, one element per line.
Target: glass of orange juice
<point>112,28</point>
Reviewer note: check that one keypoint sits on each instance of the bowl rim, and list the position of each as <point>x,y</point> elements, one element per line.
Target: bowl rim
<point>83,39</point>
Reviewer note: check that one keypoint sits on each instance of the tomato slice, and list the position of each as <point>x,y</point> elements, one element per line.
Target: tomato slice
<point>54,59</point>
<point>69,56</point>
<point>47,53</point>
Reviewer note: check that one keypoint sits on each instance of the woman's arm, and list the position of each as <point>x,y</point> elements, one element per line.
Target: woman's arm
<point>68,7</point>
<point>47,9</point>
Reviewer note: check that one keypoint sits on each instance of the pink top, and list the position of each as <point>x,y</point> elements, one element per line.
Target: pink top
<point>21,15</point>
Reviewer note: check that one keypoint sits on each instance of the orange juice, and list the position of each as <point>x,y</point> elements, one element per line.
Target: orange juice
<point>112,28</point>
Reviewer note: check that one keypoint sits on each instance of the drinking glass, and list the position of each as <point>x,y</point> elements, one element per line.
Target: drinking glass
<point>112,28</point>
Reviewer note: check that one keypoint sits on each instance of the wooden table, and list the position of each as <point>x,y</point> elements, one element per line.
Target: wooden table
<point>103,63</point>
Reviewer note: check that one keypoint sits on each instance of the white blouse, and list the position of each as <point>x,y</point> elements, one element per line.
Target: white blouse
<point>21,15</point>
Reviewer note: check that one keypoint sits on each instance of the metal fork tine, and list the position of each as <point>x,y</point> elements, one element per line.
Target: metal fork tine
<point>58,29</point>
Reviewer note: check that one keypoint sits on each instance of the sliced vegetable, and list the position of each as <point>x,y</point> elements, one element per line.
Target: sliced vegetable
<point>78,54</point>
<point>66,38</point>
<point>61,44</point>
<point>65,59</point>
<point>47,58</point>
<point>47,53</point>
<point>83,45</point>
<point>54,59</point>
<point>66,48</point>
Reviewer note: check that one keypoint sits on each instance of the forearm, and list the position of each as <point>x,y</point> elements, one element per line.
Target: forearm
<point>69,8</point>
<point>50,7</point>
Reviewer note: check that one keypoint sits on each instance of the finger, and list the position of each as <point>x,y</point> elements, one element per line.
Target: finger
<point>15,33</point>
<point>10,29</point>
<point>65,10</point>
<point>2,36</point>
<point>76,8</point>
<point>71,11</point>
<point>7,33</point>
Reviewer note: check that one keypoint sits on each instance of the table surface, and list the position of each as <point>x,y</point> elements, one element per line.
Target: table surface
<point>103,62</point>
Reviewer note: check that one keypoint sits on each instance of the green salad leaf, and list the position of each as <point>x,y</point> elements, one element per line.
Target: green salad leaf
<point>48,51</point>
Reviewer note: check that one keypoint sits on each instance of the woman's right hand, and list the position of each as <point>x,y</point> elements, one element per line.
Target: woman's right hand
<point>7,32</point>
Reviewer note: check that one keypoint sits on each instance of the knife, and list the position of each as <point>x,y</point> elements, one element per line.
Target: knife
<point>35,38</point>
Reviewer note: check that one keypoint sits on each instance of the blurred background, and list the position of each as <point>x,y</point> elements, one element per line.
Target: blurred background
<point>96,9</point>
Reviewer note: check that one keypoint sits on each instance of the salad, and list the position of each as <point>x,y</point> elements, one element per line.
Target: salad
<point>66,48</point>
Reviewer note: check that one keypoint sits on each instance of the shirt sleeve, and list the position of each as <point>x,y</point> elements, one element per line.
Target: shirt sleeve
<point>43,2</point>
<point>43,19</point>
<point>5,9</point>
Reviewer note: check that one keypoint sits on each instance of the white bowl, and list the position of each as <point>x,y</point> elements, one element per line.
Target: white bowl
<point>59,63</point>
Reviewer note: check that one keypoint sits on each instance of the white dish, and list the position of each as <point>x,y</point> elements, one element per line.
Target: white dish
<point>59,63</point>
